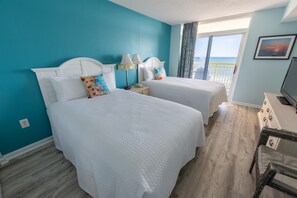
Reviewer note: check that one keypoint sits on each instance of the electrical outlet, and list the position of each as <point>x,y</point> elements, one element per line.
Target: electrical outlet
<point>24,123</point>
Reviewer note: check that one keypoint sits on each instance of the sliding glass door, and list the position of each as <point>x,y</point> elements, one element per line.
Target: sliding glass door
<point>216,57</point>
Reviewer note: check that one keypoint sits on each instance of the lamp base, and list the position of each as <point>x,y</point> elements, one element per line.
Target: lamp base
<point>127,87</point>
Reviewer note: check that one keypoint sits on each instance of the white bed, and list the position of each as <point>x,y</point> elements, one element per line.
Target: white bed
<point>122,144</point>
<point>205,96</point>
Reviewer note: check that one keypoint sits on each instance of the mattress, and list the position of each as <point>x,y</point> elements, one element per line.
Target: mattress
<point>125,144</point>
<point>204,96</point>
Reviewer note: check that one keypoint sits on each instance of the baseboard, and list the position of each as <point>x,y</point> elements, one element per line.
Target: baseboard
<point>10,156</point>
<point>246,104</point>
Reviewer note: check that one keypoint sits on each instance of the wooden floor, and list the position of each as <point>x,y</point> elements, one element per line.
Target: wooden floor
<point>220,169</point>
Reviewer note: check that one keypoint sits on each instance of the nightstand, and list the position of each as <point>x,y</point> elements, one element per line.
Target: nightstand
<point>144,90</point>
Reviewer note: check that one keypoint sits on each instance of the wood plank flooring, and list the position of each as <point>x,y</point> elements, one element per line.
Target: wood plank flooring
<point>220,168</point>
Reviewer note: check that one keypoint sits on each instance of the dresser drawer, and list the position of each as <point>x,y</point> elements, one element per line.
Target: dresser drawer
<point>265,109</point>
<point>272,142</point>
<point>272,121</point>
<point>264,113</point>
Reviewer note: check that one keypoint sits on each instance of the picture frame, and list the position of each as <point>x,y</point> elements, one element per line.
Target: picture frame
<point>278,47</point>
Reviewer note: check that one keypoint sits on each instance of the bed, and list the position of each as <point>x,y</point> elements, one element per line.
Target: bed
<point>204,96</point>
<point>122,144</point>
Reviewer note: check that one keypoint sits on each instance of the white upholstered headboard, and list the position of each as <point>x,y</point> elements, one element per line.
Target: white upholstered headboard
<point>73,67</point>
<point>149,63</point>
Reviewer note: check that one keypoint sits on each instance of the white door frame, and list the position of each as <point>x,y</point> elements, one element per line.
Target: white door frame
<point>238,64</point>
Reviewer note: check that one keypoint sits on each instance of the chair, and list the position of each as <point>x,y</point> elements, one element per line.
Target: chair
<point>273,168</point>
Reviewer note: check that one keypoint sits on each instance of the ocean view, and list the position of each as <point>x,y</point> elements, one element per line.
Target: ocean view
<point>217,59</point>
<point>220,69</point>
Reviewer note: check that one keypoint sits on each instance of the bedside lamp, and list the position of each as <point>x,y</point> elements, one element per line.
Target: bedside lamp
<point>136,59</point>
<point>126,64</point>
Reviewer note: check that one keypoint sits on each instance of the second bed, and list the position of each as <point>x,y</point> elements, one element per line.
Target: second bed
<point>204,96</point>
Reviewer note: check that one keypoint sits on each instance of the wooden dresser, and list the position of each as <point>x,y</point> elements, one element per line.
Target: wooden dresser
<point>273,114</point>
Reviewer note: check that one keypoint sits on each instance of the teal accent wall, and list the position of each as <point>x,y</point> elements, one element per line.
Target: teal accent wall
<point>258,76</point>
<point>45,33</point>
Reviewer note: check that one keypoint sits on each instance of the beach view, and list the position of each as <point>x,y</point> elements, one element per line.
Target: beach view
<point>222,59</point>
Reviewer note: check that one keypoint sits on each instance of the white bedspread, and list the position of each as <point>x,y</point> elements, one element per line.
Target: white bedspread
<point>125,144</point>
<point>205,96</point>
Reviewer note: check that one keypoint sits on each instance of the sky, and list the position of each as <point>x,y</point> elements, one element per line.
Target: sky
<point>222,46</point>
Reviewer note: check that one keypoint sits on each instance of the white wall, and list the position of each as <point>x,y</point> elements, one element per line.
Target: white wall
<point>175,41</point>
<point>258,76</point>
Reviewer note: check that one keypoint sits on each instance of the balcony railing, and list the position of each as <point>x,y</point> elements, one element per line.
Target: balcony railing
<point>217,71</point>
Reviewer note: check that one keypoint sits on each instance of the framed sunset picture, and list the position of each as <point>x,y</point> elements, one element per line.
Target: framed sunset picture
<point>275,47</point>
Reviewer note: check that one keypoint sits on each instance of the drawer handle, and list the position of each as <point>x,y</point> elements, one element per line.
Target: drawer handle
<point>270,117</point>
<point>264,119</point>
<point>262,110</point>
<point>265,102</point>
<point>270,142</point>
<point>267,110</point>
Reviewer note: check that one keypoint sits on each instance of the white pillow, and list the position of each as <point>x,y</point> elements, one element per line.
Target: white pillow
<point>164,72</point>
<point>148,74</point>
<point>109,79</point>
<point>68,88</point>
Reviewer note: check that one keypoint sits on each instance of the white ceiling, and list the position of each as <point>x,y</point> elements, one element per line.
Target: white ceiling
<point>183,11</point>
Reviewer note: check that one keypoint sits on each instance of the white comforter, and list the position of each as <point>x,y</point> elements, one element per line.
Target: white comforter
<point>125,144</point>
<point>205,96</point>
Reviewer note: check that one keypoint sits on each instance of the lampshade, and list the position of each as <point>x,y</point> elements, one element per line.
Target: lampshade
<point>136,59</point>
<point>126,60</point>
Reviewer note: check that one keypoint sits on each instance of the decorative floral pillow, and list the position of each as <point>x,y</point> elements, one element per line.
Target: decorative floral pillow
<point>99,79</point>
<point>159,74</point>
<point>93,87</point>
